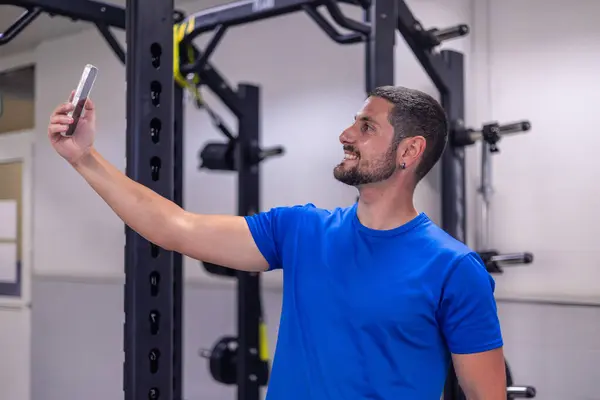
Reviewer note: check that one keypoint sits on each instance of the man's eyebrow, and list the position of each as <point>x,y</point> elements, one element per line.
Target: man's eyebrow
<point>366,118</point>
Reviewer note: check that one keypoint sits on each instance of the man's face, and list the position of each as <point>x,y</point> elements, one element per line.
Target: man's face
<point>369,156</point>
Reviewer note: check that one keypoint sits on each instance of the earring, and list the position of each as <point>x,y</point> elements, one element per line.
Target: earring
<point>403,165</point>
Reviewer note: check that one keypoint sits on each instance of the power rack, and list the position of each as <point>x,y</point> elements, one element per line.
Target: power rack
<point>154,284</point>
<point>153,277</point>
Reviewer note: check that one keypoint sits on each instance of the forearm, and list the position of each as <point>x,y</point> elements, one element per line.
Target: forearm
<point>142,209</point>
<point>484,394</point>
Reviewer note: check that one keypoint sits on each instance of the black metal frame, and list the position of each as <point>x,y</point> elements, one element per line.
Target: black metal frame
<point>154,284</point>
<point>248,302</point>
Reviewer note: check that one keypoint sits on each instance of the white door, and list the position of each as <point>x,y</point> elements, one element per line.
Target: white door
<point>15,264</point>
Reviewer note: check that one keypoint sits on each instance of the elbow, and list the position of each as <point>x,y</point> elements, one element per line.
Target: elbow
<point>166,232</point>
<point>174,231</point>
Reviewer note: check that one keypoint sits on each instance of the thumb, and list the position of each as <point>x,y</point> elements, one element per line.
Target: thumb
<point>89,105</point>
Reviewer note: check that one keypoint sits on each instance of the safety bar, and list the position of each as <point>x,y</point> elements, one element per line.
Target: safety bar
<point>514,258</point>
<point>521,392</point>
<point>492,132</point>
<point>450,33</point>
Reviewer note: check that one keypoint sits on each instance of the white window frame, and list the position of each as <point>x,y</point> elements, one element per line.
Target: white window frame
<point>18,147</point>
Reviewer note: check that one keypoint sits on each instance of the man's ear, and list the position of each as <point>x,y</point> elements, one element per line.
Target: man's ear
<point>411,149</point>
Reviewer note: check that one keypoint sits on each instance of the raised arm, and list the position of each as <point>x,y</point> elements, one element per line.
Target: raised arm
<point>219,239</point>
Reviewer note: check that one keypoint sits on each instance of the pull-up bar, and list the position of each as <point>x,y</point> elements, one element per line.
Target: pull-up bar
<point>245,12</point>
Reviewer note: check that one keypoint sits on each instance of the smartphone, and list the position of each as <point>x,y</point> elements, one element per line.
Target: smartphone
<point>84,88</point>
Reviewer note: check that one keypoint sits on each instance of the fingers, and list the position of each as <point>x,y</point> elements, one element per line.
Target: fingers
<point>61,119</point>
<point>63,109</point>
<point>59,123</point>
<point>54,129</point>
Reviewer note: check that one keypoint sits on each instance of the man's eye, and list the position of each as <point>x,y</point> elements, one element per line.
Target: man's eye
<point>366,127</point>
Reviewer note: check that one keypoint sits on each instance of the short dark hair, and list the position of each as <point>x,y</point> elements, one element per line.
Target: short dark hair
<point>416,113</point>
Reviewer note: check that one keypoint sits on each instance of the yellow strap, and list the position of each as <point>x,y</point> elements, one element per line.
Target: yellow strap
<point>263,342</point>
<point>179,32</point>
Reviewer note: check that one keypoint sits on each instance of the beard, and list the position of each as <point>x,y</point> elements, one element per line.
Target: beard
<point>369,172</point>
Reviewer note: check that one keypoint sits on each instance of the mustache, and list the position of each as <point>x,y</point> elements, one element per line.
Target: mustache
<point>351,149</point>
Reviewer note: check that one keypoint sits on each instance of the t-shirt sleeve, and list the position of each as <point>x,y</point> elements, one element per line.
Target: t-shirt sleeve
<point>272,231</point>
<point>468,315</point>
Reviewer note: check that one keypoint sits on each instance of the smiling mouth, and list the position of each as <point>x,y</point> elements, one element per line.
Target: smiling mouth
<point>350,156</point>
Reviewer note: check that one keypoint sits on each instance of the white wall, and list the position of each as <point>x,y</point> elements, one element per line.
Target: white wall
<point>542,60</point>
<point>15,337</point>
<point>307,102</point>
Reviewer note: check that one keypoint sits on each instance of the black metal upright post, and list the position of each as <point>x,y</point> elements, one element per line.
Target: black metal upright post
<point>249,307</point>
<point>178,278</point>
<point>379,45</point>
<point>153,284</point>
<point>454,204</point>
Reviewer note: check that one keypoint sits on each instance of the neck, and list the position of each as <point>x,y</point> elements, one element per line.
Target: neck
<point>385,207</point>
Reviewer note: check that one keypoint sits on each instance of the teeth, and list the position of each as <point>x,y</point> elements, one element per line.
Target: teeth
<point>350,157</point>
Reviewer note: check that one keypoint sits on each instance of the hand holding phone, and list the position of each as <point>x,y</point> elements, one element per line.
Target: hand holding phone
<point>82,93</point>
<point>76,115</point>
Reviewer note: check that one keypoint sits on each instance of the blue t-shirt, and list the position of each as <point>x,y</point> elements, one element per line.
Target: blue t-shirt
<point>370,314</point>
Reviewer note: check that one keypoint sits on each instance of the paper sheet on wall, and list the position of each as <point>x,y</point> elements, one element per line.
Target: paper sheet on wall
<point>8,262</point>
<point>8,219</point>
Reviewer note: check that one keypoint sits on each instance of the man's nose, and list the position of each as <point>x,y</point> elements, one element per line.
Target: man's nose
<point>346,136</point>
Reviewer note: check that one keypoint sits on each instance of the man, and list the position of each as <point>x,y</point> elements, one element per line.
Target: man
<point>377,299</point>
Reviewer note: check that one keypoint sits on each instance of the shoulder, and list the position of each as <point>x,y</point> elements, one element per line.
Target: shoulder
<point>446,242</point>
<point>447,248</point>
<point>456,258</point>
